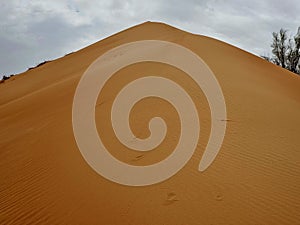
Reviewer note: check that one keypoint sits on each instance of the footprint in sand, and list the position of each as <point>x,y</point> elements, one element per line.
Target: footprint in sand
<point>139,157</point>
<point>171,198</point>
<point>219,197</point>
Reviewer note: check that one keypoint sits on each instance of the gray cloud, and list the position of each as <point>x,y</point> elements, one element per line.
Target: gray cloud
<point>33,31</point>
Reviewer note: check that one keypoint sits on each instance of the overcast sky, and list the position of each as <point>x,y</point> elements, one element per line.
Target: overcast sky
<point>32,31</point>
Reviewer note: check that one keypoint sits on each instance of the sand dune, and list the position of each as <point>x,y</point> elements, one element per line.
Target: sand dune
<point>254,179</point>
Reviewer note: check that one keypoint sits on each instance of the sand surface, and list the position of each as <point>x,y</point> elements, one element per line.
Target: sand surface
<point>254,179</point>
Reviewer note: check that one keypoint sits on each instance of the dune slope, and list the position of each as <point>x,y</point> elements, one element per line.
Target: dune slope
<point>254,179</point>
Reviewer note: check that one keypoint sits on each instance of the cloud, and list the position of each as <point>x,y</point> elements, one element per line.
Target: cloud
<point>33,31</point>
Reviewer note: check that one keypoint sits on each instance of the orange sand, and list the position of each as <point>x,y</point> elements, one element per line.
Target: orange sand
<point>254,179</point>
